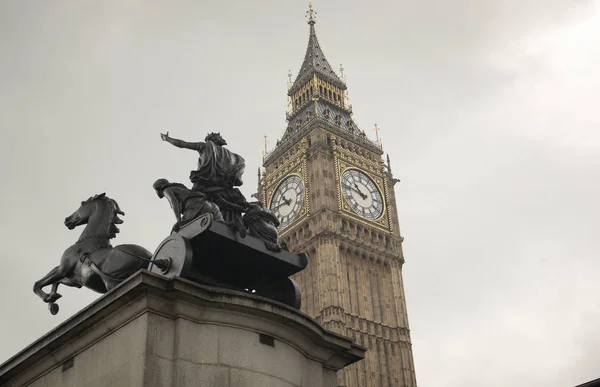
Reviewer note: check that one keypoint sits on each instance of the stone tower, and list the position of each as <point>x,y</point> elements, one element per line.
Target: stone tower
<point>329,186</point>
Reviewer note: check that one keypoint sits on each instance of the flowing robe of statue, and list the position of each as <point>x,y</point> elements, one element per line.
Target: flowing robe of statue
<point>187,205</point>
<point>217,167</point>
<point>219,172</point>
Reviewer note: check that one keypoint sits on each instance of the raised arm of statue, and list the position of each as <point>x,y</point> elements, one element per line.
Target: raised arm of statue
<point>180,143</point>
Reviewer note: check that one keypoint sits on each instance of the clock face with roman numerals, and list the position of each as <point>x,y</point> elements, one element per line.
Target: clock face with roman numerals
<point>287,200</point>
<point>361,194</point>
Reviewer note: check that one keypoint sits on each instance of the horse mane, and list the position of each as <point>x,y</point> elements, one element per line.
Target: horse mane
<point>115,211</point>
<point>113,230</point>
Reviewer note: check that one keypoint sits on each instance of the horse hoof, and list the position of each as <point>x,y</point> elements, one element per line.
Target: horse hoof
<point>53,308</point>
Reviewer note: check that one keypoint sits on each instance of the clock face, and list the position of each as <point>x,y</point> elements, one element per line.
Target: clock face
<point>361,194</point>
<point>287,200</point>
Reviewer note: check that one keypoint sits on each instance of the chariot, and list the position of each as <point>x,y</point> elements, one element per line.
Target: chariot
<point>211,253</point>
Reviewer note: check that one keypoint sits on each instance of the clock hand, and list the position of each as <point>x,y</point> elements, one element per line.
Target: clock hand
<point>279,205</point>
<point>353,189</point>
<point>286,202</point>
<point>362,195</point>
<point>359,191</point>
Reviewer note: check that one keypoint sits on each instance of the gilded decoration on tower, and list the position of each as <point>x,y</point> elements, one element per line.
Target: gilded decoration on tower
<point>333,194</point>
<point>294,206</point>
<point>346,160</point>
<point>318,96</point>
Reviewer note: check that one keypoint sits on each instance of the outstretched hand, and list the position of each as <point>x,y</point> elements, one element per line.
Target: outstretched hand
<point>164,137</point>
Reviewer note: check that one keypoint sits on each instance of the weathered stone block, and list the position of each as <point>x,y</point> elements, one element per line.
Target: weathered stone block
<point>152,331</point>
<point>196,342</point>
<point>192,374</point>
<point>241,349</point>
<point>245,378</point>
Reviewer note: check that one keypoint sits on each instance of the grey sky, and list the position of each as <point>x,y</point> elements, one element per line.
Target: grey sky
<point>487,108</point>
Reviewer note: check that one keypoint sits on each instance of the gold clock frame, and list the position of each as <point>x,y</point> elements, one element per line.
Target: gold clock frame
<point>303,208</point>
<point>295,166</point>
<point>347,207</point>
<point>345,160</point>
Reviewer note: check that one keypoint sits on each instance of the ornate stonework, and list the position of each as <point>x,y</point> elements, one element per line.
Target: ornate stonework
<point>353,283</point>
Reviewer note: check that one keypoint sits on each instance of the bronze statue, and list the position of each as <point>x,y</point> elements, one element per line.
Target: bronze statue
<point>219,172</point>
<point>204,245</point>
<point>190,204</point>
<point>92,261</point>
<point>262,223</point>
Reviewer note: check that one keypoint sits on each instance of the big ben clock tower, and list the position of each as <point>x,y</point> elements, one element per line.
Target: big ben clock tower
<point>334,195</point>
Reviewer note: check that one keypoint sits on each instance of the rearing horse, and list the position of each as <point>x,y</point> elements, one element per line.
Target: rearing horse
<point>92,261</point>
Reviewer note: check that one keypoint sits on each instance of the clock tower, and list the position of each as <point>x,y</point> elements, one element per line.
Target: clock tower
<point>334,195</point>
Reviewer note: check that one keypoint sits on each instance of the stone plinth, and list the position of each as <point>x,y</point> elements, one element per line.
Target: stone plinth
<point>153,331</point>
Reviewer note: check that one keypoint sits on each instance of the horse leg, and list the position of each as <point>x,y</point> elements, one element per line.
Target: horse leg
<point>54,292</point>
<point>50,278</point>
<point>70,282</point>
<point>53,296</point>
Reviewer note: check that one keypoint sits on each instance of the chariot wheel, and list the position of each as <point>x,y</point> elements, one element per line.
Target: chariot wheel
<point>172,257</point>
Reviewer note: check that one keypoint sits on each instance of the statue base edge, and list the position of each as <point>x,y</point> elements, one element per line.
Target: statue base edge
<point>157,331</point>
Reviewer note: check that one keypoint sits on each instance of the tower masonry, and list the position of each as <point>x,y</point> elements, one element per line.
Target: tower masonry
<point>329,186</point>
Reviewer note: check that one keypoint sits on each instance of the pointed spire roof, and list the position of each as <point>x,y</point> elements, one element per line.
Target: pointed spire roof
<point>314,60</point>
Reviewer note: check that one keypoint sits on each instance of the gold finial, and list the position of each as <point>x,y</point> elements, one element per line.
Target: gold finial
<point>311,14</point>
<point>376,129</point>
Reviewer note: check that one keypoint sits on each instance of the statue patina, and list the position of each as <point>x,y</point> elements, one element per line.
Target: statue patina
<point>219,238</point>
<point>262,223</point>
<point>186,204</point>
<point>219,173</point>
<point>204,243</point>
<point>92,261</point>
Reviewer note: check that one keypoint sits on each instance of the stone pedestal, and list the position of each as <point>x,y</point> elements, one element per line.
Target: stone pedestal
<point>153,331</point>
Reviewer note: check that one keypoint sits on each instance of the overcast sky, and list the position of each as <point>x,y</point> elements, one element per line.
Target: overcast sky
<point>487,108</point>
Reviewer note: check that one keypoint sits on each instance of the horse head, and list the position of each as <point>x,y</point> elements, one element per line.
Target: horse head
<point>110,211</point>
<point>83,213</point>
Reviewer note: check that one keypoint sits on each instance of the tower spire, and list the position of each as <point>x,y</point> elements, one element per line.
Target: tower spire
<point>319,95</point>
<point>314,59</point>
<point>311,16</point>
